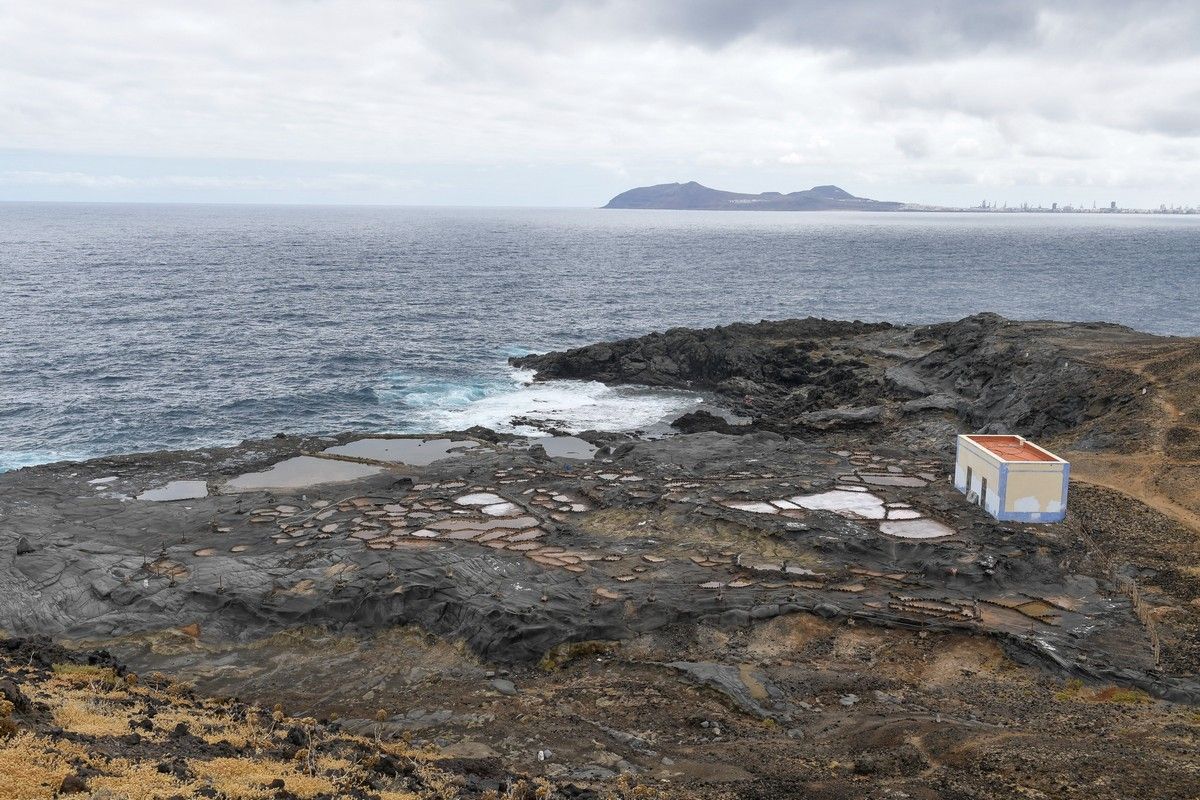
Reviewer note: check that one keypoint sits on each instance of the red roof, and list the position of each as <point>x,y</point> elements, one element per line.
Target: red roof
<point>1013,448</point>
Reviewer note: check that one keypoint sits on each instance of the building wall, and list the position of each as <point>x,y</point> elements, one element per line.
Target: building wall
<point>982,466</point>
<point>1029,489</point>
<point>1017,491</point>
<point>1035,492</point>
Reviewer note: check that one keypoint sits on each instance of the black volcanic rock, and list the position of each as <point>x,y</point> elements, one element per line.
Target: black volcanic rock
<point>694,196</point>
<point>775,370</point>
<point>703,421</point>
<point>793,376</point>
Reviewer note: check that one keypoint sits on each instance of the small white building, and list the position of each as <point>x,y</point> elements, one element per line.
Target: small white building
<point>1012,478</point>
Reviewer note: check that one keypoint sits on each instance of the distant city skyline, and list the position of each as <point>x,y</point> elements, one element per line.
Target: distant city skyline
<point>540,103</point>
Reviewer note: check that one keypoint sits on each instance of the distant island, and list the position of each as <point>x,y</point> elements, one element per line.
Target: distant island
<point>695,196</point>
<point>692,196</point>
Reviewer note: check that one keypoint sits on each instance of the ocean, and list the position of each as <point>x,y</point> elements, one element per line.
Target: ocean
<point>126,328</point>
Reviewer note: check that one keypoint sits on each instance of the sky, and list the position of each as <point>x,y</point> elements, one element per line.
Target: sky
<point>559,103</point>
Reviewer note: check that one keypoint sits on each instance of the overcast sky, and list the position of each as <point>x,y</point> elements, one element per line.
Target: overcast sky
<point>551,102</point>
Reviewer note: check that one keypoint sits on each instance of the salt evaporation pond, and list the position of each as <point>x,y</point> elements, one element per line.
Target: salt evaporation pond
<point>414,452</point>
<point>916,529</point>
<point>854,502</point>
<point>176,490</point>
<point>300,472</point>
<point>568,447</point>
<point>845,502</point>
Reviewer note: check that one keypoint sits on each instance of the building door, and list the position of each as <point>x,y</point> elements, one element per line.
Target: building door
<point>968,480</point>
<point>983,492</point>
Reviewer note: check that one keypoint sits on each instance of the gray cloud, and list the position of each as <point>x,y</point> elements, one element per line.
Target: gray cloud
<point>914,144</point>
<point>880,30</point>
<point>906,95</point>
<point>871,29</point>
<point>1180,117</point>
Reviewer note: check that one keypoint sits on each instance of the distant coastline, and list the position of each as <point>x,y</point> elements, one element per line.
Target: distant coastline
<point>693,196</point>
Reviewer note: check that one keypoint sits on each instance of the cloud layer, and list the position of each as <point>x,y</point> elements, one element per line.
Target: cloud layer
<point>407,101</point>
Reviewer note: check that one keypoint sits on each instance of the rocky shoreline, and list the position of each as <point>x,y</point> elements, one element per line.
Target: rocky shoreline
<point>984,372</point>
<point>569,586</point>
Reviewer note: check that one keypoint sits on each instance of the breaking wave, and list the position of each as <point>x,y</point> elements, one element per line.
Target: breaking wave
<point>510,402</point>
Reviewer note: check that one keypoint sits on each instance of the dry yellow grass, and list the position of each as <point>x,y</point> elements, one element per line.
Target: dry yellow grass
<point>246,779</point>
<point>208,726</point>
<point>330,763</point>
<point>31,767</point>
<point>238,734</point>
<point>132,781</point>
<point>92,717</point>
<point>97,705</point>
<point>85,674</point>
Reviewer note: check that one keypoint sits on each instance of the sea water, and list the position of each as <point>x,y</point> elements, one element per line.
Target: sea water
<point>140,327</point>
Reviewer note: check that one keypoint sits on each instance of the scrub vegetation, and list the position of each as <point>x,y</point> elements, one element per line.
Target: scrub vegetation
<point>81,724</point>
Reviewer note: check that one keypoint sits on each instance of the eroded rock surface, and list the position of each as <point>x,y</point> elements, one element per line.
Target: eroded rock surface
<point>515,556</point>
<point>694,610</point>
<point>990,373</point>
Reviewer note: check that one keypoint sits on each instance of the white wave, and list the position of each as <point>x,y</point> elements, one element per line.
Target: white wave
<point>570,405</point>
<point>17,459</point>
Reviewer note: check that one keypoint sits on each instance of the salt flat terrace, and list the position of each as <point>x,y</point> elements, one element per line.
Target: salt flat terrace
<point>494,542</point>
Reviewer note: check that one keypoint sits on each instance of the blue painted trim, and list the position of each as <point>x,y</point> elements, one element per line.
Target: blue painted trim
<point>1001,489</point>
<point>1032,516</point>
<point>1041,516</point>
<point>1002,492</point>
<point>958,460</point>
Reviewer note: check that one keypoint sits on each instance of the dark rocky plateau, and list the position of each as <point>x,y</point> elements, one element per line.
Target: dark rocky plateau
<point>984,373</point>
<point>694,196</point>
<point>679,610</point>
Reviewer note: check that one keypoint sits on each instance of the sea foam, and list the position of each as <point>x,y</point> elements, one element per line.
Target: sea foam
<point>569,405</point>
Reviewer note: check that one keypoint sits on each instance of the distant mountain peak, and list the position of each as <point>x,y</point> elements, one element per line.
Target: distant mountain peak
<point>696,196</point>
<point>833,192</point>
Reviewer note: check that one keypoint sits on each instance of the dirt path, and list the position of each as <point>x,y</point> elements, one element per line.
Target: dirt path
<point>1174,386</point>
<point>1134,476</point>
